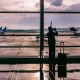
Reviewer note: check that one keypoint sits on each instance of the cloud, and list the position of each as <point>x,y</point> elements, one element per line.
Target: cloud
<point>74,7</point>
<point>54,5</point>
<point>56,2</point>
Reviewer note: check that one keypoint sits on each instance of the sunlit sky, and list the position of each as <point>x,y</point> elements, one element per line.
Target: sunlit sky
<point>31,21</point>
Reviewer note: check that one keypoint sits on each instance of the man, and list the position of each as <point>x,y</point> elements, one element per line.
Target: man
<point>51,42</point>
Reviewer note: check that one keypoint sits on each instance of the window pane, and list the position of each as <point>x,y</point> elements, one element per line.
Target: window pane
<point>19,5</point>
<point>63,23</point>
<point>62,5</point>
<point>27,24</point>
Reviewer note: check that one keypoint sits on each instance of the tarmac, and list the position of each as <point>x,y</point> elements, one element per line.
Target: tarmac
<point>33,69</point>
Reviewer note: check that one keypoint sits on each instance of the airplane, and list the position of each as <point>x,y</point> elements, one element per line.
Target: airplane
<point>75,31</point>
<point>2,31</point>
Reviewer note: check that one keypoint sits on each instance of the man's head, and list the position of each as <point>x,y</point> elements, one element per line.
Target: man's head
<point>50,28</point>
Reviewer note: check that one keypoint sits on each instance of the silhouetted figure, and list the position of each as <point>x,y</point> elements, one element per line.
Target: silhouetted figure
<point>51,42</point>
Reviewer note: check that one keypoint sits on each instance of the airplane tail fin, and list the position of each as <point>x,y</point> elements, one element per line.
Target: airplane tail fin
<point>51,24</point>
<point>0,28</point>
<point>5,29</point>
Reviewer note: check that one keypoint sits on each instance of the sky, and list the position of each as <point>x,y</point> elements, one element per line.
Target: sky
<point>31,21</point>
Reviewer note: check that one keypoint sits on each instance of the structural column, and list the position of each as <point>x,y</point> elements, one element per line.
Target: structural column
<point>41,36</point>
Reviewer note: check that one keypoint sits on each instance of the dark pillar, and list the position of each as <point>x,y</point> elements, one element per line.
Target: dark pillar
<point>41,36</point>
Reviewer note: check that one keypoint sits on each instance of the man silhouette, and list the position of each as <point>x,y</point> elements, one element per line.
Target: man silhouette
<point>51,42</point>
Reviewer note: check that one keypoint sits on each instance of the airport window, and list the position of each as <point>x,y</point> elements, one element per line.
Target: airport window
<point>24,50</point>
<point>19,17</point>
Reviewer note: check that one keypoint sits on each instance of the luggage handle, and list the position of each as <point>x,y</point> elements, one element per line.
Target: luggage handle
<point>62,46</point>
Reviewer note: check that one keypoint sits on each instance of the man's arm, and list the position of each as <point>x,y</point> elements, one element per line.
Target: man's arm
<point>56,33</point>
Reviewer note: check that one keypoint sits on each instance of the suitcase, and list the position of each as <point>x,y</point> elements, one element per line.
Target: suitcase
<point>62,62</point>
